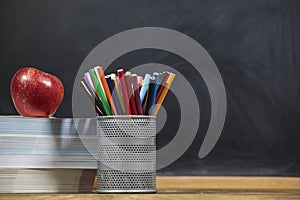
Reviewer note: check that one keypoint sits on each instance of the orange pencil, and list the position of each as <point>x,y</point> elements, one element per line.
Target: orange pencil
<point>106,89</point>
<point>164,93</point>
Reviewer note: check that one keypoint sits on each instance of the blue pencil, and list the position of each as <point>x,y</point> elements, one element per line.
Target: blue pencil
<point>145,87</point>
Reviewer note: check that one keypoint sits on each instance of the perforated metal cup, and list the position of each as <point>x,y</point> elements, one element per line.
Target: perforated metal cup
<point>126,154</point>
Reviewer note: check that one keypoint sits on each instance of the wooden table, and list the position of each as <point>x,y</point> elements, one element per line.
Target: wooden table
<point>208,188</point>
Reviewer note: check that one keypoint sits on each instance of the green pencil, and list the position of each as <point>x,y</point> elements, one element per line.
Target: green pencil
<point>100,92</point>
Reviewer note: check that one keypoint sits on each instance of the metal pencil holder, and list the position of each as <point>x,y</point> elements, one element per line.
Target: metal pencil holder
<point>126,154</point>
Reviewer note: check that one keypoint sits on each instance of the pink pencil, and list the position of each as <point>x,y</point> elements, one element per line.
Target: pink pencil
<point>88,76</point>
<point>140,79</point>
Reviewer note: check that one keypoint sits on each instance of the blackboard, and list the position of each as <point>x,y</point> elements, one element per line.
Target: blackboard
<point>254,43</point>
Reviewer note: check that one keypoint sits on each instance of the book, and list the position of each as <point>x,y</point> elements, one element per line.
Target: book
<point>35,150</point>
<point>46,180</point>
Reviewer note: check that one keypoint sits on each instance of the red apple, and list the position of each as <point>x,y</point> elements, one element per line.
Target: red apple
<point>36,93</point>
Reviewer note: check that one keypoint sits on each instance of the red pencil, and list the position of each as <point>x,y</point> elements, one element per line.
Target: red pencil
<point>137,94</point>
<point>124,91</point>
<point>130,94</point>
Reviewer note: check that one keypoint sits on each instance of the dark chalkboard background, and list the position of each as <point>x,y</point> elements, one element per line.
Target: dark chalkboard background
<point>254,43</point>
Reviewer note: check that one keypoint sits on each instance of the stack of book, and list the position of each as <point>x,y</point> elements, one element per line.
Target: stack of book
<point>46,155</point>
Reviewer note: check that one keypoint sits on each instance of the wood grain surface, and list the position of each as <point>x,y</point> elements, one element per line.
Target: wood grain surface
<point>242,183</point>
<point>208,188</point>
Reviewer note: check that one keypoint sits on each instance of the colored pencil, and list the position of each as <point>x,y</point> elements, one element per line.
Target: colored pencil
<point>140,79</point>
<point>119,94</point>
<point>164,93</point>
<point>100,74</point>
<point>112,75</point>
<point>128,72</point>
<point>91,99</point>
<point>150,96</point>
<point>145,87</point>
<point>162,85</point>
<point>144,102</point>
<point>100,92</point>
<point>156,76</point>
<point>91,91</point>
<point>161,77</point>
<point>137,94</point>
<point>114,94</point>
<point>130,94</point>
<point>124,91</point>
<point>88,76</point>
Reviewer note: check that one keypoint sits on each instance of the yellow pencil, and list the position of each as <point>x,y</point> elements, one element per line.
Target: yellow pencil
<point>164,93</point>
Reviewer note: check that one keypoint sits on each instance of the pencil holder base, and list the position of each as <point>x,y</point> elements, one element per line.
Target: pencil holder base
<point>126,191</point>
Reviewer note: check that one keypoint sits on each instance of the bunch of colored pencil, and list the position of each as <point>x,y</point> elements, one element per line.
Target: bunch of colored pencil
<point>126,93</point>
